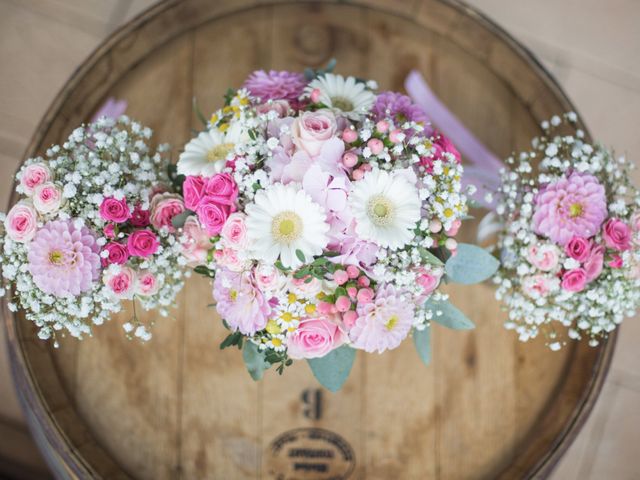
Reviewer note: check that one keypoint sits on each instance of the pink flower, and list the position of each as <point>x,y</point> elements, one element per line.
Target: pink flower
<point>240,302</point>
<point>305,288</point>
<point>594,263</point>
<point>574,280</point>
<point>147,284</point>
<point>311,130</point>
<point>578,248</point>
<point>140,218</point>
<point>196,244</point>
<point>228,258</point>
<point>268,278</point>
<point>539,286</point>
<point>616,261</point>
<point>114,210</point>
<point>234,231</point>
<point>212,215</point>
<point>63,259</point>
<point>34,175</point>
<point>21,222</point>
<point>314,338</point>
<point>164,207</point>
<point>121,281</point>
<point>275,85</point>
<point>47,198</point>
<point>442,145</point>
<point>428,279</point>
<point>223,188</point>
<point>142,243</point>
<point>617,235</point>
<point>109,230</point>
<point>118,254</point>
<point>572,206</point>
<point>282,108</point>
<point>635,221</point>
<point>193,191</point>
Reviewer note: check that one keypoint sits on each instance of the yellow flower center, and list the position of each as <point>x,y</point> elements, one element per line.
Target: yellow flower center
<point>286,317</point>
<point>273,328</point>
<point>56,257</point>
<point>286,227</point>
<point>575,210</point>
<point>342,103</point>
<point>391,323</point>
<point>276,342</point>
<point>380,210</point>
<point>219,152</point>
<point>233,295</point>
<point>311,308</point>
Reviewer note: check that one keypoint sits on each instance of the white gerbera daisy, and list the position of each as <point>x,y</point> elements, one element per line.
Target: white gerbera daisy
<point>386,208</point>
<point>282,220</point>
<point>207,154</point>
<point>348,96</point>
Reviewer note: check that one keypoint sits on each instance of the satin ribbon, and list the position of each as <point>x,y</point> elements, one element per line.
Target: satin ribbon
<point>112,108</point>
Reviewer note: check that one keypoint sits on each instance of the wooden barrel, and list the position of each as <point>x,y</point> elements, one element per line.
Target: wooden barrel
<point>178,407</point>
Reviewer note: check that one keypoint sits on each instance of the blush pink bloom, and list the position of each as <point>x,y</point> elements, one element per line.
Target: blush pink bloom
<point>114,210</point>
<point>539,286</point>
<point>64,261</point>
<point>21,222</point>
<point>234,231</point>
<point>594,264</point>
<point>282,108</point>
<point>572,206</point>
<point>193,191</point>
<point>635,221</point>
<point>142,243</point>
<point>314,338</point>
<point>240,302</point>
<point>311,130</point>
<point>121,281</point>
<point>164,207</point>
<point>578,248</point>
<point>268,278</point>
<point>574,280</point>
<point>617,235</point>
<point>229,258</point>
<point>34,175</point>
<point>147,284</point>
<point>195,244</point>
<point>118,254</point>
<point>140,218</point>
<point>305,288</point>
<point>47,198</point>
<point>428,279</point>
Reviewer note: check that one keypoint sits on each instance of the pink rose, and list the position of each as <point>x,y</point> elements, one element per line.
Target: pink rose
<point>213,215</point>
<point>34,175</point>
<point>110,230</point>
<point>164,207</point>
<point>142,243</point>
<point>234,231</point>
<point>222,187</point>
<point>539,286</point>
<point>428,279</point>
<point>47,198</point>
<point>228,257</point>
<point>121,282</point>
<point>193,191</point>
<point>311,130</point>
<point>114,210</point>
<point>304,288</point>
<point>617,235</point>
<point>635,221</point>
<point>21,222</point>
<point>442,145</point>
<point>118,254</point>
<point>594,264</point>
<point>574,280</point>
<point>147,284</point>
<point>578,248</point>
<point>544,257</point>
<point>280,107</point>
<point>616,261</point>
<point>268,278</point>
<point>314,338</point>
<point>139,217</point>
<point>195,244</point>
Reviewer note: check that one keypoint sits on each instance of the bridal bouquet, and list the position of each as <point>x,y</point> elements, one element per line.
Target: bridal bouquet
<point>570,238</point>
<point>93,228</point>
<point>326,214</point>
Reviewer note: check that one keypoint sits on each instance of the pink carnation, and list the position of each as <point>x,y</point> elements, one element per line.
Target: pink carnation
<point>164,207</point>
<point>314,338</point>
<point>114,210</point>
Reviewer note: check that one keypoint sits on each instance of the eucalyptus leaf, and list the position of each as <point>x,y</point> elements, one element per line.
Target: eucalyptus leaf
<point>178,220</point>
<point>471,264</point>
<point>254,360</point>
<point>333,369</point>
<point>422,342</point>
<point>429,257</point>
<point>450,316</point>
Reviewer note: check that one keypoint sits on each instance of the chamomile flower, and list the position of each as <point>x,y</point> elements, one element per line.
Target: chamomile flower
<point>345,95</point>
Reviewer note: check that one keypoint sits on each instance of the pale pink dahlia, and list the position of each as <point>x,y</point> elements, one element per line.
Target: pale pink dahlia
<point>384,323</point>
<point>572,206</point>
<point>64,261</point>
<point>399,107</point>
<point>275,85</point>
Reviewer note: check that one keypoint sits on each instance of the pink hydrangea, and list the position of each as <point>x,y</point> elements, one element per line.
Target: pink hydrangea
<point>276,85</point>
<point>572,206</point>
<point>64,260</point>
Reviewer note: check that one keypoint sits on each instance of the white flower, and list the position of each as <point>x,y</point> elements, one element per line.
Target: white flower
<point>347,96</point>
<point>282,220</point>
<point>208,153</point>
<point>386,208</point>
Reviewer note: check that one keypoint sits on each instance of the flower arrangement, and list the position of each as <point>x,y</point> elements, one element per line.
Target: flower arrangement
<point>570,238</point>
<point>326,215</point>
<point>93,228</point>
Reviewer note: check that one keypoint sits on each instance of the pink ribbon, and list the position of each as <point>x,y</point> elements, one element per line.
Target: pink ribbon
<point>484,168</point>
<point>112,108</point>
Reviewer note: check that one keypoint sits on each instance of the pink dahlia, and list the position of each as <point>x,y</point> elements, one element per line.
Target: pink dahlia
<point>572,206</point>
<point>398,107</point>
<point>384,323</point>
<point>64,260</point>
<point>275,85</point>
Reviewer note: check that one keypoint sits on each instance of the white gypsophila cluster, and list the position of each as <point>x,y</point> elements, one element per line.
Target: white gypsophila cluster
<point>109,158</point>
<point>529,282</point>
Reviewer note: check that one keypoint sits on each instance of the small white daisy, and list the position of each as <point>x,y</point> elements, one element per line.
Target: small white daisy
<point>345,95</point>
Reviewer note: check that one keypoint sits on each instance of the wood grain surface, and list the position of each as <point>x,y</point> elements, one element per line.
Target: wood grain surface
<point>178,407</point>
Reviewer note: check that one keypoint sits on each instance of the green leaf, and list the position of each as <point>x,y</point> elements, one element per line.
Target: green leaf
<point>450,316</point>
<point>178,220</point>
<point>422,342</point>
<point>471,264</point>
<point>429,257</point>
<point>300,256</point>
<point>198,113</point>
<point>254,360</point>
<point>203,270</point>
<point>333,369</point>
